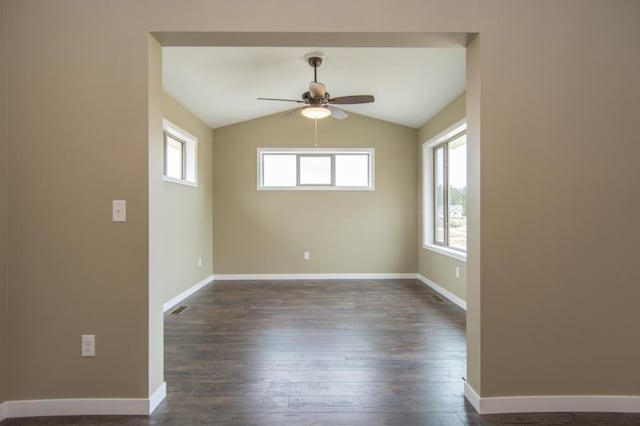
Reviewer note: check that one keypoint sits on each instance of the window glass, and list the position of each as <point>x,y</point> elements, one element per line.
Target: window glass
<point>457,189</point>
<point>174,162</point>
<point>439,202</point>
<point>352,170</point>
<point>315,170</point>
<point>279,170</point>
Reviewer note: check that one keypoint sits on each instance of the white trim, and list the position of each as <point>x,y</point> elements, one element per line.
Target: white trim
<point>472,396</point>
<point>188,292</point>
<point>76,407</point>
<point>446,293</point>
<point>552,403</point>
<point>157,397</point>
<point>179,181</point>
<point>250,277</point>
<point>84,406</point>
<point>370,152</point>
<point>446,251</point>
<point>317,188</point>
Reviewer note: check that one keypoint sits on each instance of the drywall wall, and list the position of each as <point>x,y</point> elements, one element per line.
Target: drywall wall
<point>437,267</point>
<point>4,186</point>
<point>77,89</point>
<point>553,289</point>
<point>184,225</point>
<point>156,287</point>
<point>549,108</point>
<point>266,232</point>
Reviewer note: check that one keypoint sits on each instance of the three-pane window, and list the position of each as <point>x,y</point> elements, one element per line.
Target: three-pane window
<point>315,169</point>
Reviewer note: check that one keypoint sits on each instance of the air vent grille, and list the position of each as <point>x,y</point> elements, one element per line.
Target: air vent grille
<point>437,298</point>
<point>179,310</point>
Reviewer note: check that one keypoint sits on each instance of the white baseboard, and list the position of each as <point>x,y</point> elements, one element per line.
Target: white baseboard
<point>472,396</point>
<point>446,293</point>
<point>84,406</point>
<point>348,276</point>
<point>188,292</point>
<point>553,403</point>
<point>157,397</point>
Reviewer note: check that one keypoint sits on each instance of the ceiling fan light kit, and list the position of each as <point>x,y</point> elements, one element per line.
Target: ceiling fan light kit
<point>315,112</point>
<point>319,102</point>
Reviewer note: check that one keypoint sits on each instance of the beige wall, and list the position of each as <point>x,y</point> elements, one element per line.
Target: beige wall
<point>78,132</point>
<point>436,267</point>
<point>259,232</point>
<point>156,290</point>
<point>184,223</point>
<point>553,290</point>
<point>4,181</point>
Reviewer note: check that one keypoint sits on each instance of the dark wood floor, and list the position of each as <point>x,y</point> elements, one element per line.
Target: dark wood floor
<point>361,353</point>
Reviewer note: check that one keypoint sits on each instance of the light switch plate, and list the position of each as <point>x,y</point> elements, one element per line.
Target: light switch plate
<point>88,345</point>
<point>119,211</point>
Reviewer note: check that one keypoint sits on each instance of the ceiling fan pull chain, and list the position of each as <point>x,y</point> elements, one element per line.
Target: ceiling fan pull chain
<point>315,133</point>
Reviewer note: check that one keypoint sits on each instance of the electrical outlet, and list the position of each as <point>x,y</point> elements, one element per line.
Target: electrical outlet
<point>88,345</point>
<point>200,262</point>
<point>307,255</point>
<point>457,272</point>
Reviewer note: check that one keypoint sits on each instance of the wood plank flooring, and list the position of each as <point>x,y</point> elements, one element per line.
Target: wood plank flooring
<point>357,352</point>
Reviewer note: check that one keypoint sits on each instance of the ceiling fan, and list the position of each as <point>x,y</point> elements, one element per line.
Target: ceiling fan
<point>318,103</point>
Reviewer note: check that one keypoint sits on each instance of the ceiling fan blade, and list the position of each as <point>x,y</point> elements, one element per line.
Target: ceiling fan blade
<point>284,100</point>
<point>317,90</point>
<point>337,113</point>
<point>291,112</point>
<point>355,99</point>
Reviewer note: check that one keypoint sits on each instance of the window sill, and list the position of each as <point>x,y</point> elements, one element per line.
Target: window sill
<point>179,181</point>
<point>316,188</point>
<point>454,254</point>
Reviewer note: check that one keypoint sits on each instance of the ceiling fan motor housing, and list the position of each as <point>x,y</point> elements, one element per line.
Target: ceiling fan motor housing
<point>306,96</point>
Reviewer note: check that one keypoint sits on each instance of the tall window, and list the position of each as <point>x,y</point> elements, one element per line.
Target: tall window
<point>445,191</point>
<point>180,155</point>
<point>316,168</point>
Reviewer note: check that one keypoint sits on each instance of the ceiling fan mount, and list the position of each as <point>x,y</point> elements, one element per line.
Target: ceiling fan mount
<point>317,97</point>
<point>314,61</point>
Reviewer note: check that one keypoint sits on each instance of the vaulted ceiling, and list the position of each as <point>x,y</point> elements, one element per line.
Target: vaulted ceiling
<point>220,84</point>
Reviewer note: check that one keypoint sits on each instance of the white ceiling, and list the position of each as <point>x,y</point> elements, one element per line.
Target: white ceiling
<point>220,84</point>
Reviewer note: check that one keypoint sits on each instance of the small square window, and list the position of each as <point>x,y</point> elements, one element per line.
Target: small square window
<point>180,155</point>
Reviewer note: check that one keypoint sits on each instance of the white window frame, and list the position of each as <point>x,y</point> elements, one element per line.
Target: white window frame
<point>428,198</point>
<point>322,152</point>
<point>190,159</point>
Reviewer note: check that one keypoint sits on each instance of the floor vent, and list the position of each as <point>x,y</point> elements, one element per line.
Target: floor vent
<point>179,310</point>
<point>437,298</point>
